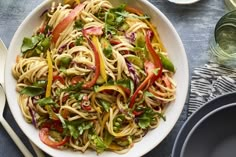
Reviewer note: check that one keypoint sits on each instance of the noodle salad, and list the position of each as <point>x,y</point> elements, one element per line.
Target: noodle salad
<point>94,76</point>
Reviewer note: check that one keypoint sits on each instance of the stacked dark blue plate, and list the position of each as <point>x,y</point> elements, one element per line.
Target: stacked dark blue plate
<point>210,131</point>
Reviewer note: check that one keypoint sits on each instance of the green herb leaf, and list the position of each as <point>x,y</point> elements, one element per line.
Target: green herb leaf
<point>79,40</point>
<point>75,128</point>
<point>77,96</point>
<point>79,24</point>
<point>46,101</point>
<point>146,118</point>
<point>107,48</point>
<point>99,143</point>
<point>161,116</point>
<point>106,105</point>
<point>75,88</point>
<point>36,45</point>
<point>29,43</point>
<point>113,20</point>
<point>84,126</point>
<point>73,131</point>
<point>32,91</point>
<point>47,29</point>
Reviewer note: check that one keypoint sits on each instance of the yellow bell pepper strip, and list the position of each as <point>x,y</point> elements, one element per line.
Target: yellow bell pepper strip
<point>49,86</point>
<point>149,68</point>
<point>102,63</point>
<point>154,55</point>
<point>71,2</point>
<point>114,88</point>
<point>50,75</point>
<point>140,13</point>
<point>97,63</point>
<point>65,22</point>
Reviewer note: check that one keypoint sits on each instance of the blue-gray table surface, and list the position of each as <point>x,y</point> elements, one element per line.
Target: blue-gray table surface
<point>194,23</point>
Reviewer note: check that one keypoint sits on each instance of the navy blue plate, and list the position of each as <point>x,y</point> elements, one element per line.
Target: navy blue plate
<point>199,114</point>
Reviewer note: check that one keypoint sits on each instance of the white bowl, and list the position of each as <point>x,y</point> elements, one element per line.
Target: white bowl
<point>183,1</point>
<point>176,52</point>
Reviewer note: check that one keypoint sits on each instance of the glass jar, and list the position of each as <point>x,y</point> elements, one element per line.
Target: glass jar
<point>223,46</point>
<point>230,4</point>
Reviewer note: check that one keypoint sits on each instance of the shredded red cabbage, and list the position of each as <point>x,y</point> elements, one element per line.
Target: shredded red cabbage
<point>133,73</point>
<point>32,113</point>
<point>131,37</point>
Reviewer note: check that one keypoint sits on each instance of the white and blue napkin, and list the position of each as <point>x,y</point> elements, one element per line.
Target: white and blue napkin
<point>208,82</point>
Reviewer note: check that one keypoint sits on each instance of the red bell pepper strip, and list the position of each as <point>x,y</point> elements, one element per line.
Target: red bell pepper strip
<point>44,137</point>
<point>76,79</point>
<point>149,67</point>
<point>59,78</point>
<point>93,31</point>
<point>137,113</point>
<point>53,124</point>
<point>65,22</point>
<point>97,63</point>
<point>114,42</point>
<point>154,55</point>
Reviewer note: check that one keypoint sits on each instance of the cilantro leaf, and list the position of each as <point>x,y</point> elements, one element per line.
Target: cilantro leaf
<point>78,24</point>
<point>147,118</point>
<point>29,43</point>
<point>75,128</point>
<point>32,91</point>
<point>35,45</point>
<point>99,143</point>
<point>75,88</point>
<point>79,40</point>
<point>46,101</point>
<point>113,20</point>
<point>106,105</point>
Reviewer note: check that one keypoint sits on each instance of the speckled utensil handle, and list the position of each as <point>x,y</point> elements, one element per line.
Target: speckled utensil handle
<point>8,128</point>
<point>3,55</point>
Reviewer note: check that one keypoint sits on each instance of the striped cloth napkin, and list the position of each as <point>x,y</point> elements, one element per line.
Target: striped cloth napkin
<point>208,82</point>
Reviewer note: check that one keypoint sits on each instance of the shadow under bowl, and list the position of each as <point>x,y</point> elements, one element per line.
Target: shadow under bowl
<point>214,135</point>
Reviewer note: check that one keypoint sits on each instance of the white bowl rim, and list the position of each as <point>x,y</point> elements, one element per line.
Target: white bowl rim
<point>183,2</point>
<point>177,112</point>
